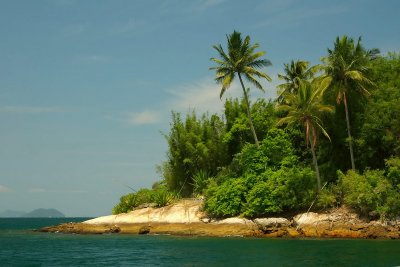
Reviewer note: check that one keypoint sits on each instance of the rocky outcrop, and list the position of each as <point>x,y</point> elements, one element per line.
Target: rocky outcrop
<point>184,211</point>
<point>186,218</point>
<point>345,224</point>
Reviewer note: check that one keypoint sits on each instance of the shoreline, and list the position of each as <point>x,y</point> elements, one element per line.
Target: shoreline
<point>185,218</point>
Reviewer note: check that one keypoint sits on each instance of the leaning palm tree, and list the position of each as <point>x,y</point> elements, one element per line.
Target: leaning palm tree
<point>305,108</point>
<point>240,59</point>
<point>295,72</point>
<point>346,69</point>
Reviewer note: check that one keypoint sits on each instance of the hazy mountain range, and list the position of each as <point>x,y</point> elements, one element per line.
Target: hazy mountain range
<point>37,213</point>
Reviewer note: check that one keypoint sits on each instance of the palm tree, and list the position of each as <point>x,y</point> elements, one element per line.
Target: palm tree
<point>346,69</point>
<point>305,107</point>
<point>240,59</point>
<point>295,72</point>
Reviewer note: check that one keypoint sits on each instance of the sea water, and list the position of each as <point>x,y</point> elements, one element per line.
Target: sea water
<point>21,246</point>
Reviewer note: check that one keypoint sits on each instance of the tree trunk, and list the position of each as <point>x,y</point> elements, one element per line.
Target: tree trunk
<point>253,131</point>
<point>353,166</point>
<point>315,162</point>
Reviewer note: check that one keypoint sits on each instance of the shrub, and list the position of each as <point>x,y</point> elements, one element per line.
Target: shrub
<point>370,193</point>
<point>275,150</point>
<point>328,198</point>
<point>226,199</point>
<point>159,196</point>
<point>393,171</point>
<point>279,191</point>
<point>163,197</point>
<point>200,181</point>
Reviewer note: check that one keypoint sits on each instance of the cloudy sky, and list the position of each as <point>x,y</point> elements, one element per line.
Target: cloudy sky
<point>86,87</point>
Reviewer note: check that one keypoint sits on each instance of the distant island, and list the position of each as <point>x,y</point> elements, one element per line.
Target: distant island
<point>37,213</point>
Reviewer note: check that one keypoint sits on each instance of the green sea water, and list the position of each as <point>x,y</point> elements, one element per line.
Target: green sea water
<point>20,246</point>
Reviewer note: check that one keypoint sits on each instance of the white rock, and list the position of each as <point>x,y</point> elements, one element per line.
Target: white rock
<point>184,211</point>
<point>310,218</point>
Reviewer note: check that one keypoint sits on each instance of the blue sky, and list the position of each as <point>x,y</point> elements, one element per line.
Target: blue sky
<point>86,87</point>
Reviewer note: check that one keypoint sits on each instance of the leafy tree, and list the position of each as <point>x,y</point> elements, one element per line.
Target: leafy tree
<point>240,59</point>
<point>237,127</point>
<point>194,145</point>
<point>305,108</point>
<point>296,72</point>
<point>379,133</point>
<point>346,69</point>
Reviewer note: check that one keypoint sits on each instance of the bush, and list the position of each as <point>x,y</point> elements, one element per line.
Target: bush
<point>328,198</point>
<point>162,197</point>
<point>370,193</point>
<point>279,191</point>
<point>393,171</point>
<point>200,182</point>
<point>226,199</point>
<point>275,150</point>
<point>159,196</point>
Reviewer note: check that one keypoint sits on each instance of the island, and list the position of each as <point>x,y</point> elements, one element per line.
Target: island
<point>322,159</point>
<point>186,218</point>
<point>37,213</point>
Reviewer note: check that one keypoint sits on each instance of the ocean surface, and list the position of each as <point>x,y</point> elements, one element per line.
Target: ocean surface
<point>21,246</point>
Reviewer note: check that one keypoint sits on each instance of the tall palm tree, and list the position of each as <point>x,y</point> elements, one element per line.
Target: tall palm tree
<point>295,72</point>
<point>346,69</point>
<point>305,108</point>
<point>240,59</point>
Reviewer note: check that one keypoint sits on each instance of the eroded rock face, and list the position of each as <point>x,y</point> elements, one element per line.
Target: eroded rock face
<point>184,211</point>
<point>270,225</point>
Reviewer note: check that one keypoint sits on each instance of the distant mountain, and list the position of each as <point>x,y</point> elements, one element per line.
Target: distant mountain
<point>12,214</point>
<point>46,213</point>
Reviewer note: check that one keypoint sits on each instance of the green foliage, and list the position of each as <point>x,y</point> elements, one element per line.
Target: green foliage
<point>194,145</point>
<point>159,197</point>
<point>328,198</point>
<point>379,136</point>
<point>200,181</point>
<point>132,200</point>
<point>262,181</point>
<point>282,190</point>
<point>370,193</point>
<point>393,172</point>
<point>274,150</point>
<point>162,197</point>
<point>237,123</point>
<point>226,199</point>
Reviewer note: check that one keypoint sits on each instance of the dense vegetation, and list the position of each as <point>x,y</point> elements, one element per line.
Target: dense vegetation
<point>332,135</point>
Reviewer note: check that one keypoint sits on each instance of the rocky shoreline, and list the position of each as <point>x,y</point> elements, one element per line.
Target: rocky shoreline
<point>186,218</point>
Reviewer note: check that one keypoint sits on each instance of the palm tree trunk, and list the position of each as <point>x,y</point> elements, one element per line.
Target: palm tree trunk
<point>315,162</point>
<point>353,166</point>
<point>253,131</point>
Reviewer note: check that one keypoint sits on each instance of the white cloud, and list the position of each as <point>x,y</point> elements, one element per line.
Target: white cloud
<point>201,96</point>
<point>4,189</point>
<point>144,117</point>
<point>204,95</point>
<point>32,109</point>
